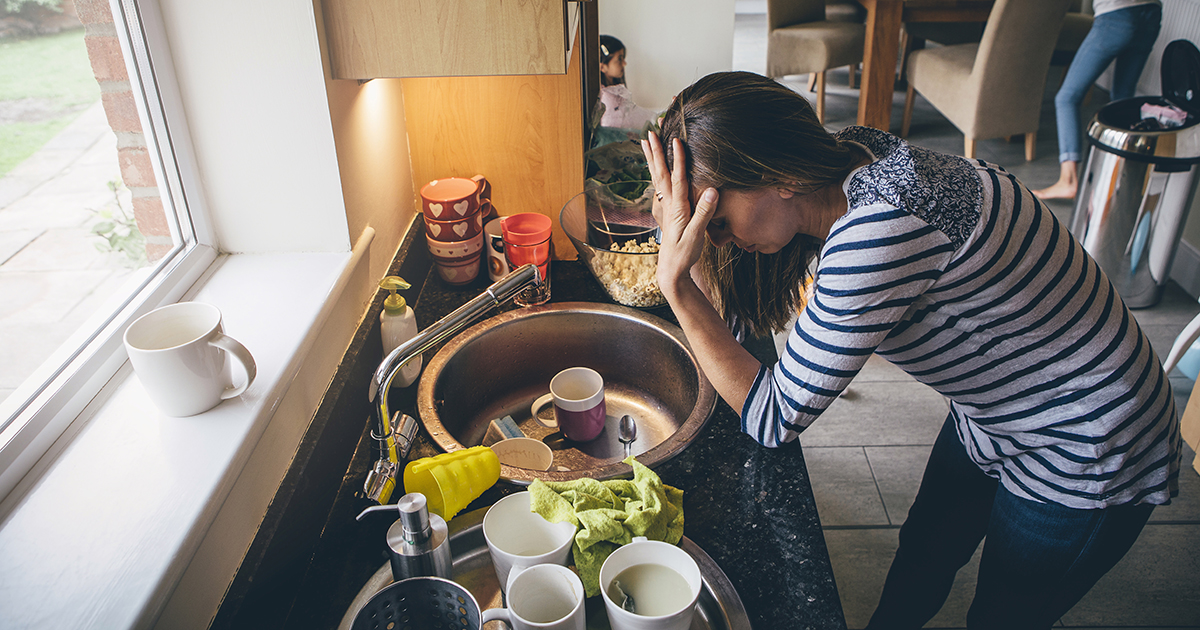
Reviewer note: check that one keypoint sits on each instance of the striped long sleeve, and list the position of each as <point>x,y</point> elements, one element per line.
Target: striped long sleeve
<point>955,273</point>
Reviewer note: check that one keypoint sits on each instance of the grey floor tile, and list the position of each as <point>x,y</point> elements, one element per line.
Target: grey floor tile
<point>880,414</point>
<point>1153,585</point>
<point>1176,308</point>
<point>861,558</point>
<point>844,487</point>
<point>898,471</point>
<point>879,369</point>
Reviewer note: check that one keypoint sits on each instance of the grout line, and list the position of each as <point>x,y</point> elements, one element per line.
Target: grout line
<point>878,491</point>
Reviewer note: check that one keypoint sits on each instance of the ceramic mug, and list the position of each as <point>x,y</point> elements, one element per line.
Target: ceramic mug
<point>663,580</point>
<point>454,197</point>
<point>517,537</point>
<point>179,351</point>
<point>460,229</point>
<point>493,242</point>
<point>456,262</point>
<point>579,409</point>
<point>542,597</point>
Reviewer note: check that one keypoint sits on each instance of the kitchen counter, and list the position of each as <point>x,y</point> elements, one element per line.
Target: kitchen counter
<point>750,508</point>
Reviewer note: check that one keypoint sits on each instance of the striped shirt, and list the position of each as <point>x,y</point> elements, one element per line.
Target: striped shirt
<point>954,272</point>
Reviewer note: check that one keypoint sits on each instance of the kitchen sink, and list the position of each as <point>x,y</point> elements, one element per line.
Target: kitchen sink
<point>500,366</point>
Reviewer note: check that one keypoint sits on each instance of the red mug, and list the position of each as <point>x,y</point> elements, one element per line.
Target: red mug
<point>454,197</point>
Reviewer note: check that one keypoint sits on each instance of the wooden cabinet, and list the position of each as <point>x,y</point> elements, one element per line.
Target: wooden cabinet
<point>448,38</point>
<point>524,133</point>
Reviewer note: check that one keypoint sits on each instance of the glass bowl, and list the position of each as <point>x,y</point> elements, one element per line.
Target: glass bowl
<point>617,238</point>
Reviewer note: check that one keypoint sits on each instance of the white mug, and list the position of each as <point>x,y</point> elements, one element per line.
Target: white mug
<point>493,244</point>
<point>542,597</point>
<point>653,589</point>
<point>178,352</point>
<point>517,537</point>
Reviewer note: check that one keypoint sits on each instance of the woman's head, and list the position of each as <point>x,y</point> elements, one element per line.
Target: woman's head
<point>745,132</point>
<point>612,60</point>
<point>741,130</point>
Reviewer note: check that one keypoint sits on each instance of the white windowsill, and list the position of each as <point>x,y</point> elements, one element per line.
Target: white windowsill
<point>104,535</point>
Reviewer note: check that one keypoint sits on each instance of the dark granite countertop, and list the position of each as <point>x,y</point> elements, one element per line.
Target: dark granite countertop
<point>750,508</point>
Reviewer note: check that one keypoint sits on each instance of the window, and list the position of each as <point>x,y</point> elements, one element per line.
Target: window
<point>96,227</point>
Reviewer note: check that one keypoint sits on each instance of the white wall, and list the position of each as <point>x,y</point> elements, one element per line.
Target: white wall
<point>251,78</point>
<point>670,43</point>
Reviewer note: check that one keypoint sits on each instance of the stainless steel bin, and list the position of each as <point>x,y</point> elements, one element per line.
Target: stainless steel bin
<point>1138,185</point>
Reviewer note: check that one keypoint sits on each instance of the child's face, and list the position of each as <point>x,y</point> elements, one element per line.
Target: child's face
<point>615,68</point>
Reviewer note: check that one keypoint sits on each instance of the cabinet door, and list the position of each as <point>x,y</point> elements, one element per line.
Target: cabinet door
<point>444,38</point>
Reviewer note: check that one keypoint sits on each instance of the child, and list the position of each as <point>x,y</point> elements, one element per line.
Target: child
<point>619,109</point>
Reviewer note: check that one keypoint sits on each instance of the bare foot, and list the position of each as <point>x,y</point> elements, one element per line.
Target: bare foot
<point>1066,186</point>
<point>1057,190</point>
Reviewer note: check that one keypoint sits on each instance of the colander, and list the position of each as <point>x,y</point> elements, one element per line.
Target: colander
<point>420,603</point>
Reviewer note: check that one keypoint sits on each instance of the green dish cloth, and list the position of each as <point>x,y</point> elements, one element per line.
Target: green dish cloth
<point>609,514</point>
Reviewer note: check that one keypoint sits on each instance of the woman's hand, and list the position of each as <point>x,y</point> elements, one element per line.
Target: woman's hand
<point>682,227</point>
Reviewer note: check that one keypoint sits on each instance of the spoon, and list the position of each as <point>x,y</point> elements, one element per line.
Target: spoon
<point>627,433</point>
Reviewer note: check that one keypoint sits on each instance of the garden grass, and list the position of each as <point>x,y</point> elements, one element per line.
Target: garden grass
<point>45,83</point>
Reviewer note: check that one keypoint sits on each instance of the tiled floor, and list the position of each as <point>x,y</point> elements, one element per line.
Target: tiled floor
<point>867,453</point>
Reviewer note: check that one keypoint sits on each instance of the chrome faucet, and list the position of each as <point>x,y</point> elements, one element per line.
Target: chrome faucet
<point>495,295</point>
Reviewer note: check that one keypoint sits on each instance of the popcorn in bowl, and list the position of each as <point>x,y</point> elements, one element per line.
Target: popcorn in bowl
<point>616,239</point>
<point>630,280</point>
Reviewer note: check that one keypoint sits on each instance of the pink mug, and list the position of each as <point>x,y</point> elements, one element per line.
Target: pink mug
<point>454,197</point>
<point>579,410</point>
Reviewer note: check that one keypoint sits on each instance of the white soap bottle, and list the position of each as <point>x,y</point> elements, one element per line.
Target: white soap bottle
<point>398,324</point>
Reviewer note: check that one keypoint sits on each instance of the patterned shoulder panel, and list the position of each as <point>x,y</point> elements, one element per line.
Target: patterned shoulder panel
<point>943,190</point>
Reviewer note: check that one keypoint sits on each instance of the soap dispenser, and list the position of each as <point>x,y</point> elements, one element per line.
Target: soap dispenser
<point>398,324</point>
<point>419,541</point>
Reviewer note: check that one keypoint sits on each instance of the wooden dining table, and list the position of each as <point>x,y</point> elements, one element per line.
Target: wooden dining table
<point>880,52</point>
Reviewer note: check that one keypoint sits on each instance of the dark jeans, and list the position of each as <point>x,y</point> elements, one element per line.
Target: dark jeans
<point>1039,559</point>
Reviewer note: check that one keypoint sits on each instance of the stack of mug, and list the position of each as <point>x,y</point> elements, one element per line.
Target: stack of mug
<point>455,209</point>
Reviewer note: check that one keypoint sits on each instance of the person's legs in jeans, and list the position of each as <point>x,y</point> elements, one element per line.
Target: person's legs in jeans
<point>1040,559</point>
<point>1111,33</point>
<point>942,531</point>
<point>1145,21</point>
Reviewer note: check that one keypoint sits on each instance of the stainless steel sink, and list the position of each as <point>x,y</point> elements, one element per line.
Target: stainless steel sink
<point>498,367</point>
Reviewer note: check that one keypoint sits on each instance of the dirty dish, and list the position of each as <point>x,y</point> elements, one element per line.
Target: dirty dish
<point>523,452</point>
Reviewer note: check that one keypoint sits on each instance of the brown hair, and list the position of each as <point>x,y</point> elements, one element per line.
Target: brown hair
<point>743,131</point>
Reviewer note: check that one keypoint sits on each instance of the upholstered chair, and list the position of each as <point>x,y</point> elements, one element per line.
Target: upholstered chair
<point>801,41</point>
<point>994,88</point>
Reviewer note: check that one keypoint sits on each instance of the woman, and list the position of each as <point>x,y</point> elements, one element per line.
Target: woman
<point>1062,433</point>
<point>1124,31</point>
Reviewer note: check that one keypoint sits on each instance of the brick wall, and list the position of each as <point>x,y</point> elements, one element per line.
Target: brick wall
<point>108,64</point>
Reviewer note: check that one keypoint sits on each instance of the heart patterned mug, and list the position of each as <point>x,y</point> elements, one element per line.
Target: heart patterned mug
<point>454,198</point>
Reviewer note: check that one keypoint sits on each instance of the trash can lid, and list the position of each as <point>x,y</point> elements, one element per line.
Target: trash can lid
<point>1180,74</point>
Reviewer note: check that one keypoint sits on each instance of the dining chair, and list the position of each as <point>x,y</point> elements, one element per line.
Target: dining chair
<point>843,11</point>
<point>994,88</point>
<point>801,41</point>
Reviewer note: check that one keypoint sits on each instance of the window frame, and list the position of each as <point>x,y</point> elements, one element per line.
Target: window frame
<point>49,407</point>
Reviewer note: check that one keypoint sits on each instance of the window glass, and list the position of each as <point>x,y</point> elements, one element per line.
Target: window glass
<point>85,226</point>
